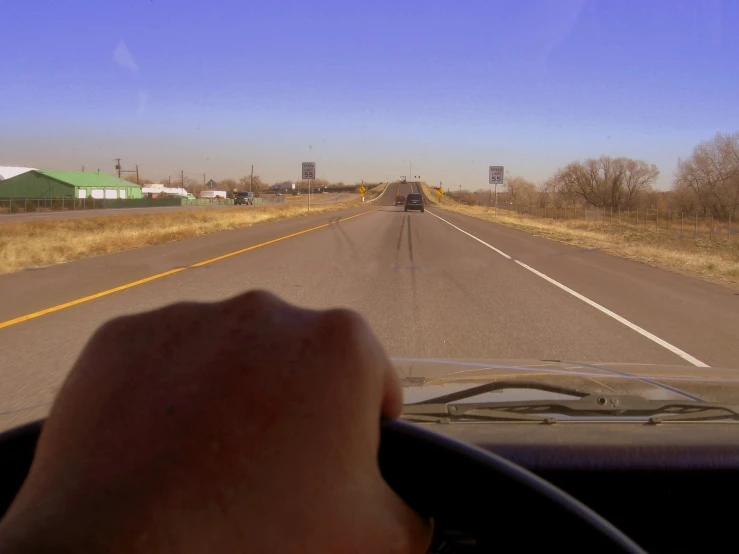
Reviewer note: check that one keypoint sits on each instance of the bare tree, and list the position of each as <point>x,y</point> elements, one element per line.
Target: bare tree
<point>607,181</point>
<point>711,175</point>
<point>194,186</point>
<point>520,191</point>
<point>684,199</point>
<point>543,194</point>
<point>229,185</point>
<point>256,183</point>
<point>638,178</point>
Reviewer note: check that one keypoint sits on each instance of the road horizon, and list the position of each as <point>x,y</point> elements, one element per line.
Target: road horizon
<point>432,285</point>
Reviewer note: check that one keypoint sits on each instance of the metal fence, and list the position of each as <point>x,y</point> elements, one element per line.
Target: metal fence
<point>31,205</point>
<point>674,222</point>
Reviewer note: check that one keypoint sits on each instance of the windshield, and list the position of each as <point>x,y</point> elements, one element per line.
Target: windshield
<point>540,192</point>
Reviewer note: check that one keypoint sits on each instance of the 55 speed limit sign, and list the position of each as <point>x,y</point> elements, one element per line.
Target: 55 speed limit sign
<point>496,174</point>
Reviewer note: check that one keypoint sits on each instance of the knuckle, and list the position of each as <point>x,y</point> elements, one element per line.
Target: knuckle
<point>345,322</point>
<point>349,333</point>
<point>113,327</point>
<point>127,325</point>
<point>174,312</point>
<point>255,300</point>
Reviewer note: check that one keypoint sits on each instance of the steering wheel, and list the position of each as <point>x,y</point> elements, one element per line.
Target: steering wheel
<point>479,502</point>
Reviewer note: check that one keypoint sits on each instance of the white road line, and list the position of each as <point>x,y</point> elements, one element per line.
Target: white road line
<point>634,327</point>
<point>472,236</point>
<point>379,195</point>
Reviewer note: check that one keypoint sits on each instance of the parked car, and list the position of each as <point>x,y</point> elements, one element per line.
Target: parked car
<point>399,200</point>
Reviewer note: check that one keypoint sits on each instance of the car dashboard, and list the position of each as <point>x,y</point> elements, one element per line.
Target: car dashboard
<point>659,483</point>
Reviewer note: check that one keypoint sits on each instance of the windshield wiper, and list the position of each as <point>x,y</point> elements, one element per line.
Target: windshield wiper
<point>444,408</point>
<point>432,416</point>
<point>491,387</point>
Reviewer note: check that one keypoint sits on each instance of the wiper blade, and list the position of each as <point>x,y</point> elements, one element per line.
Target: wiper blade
<point>706,413</point>
<point>655,412</point>
<point>493,386</point>
<point>431,414</point>
<point>586,405</point>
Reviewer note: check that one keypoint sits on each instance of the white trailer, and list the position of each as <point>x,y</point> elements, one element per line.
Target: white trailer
<point>213,194</point>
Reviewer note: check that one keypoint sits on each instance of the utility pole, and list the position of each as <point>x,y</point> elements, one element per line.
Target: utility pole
<point>169,180</point>
<point>182,178</point>
<point>251,178</point>
<point>121,170</point>
<point>203,180</point>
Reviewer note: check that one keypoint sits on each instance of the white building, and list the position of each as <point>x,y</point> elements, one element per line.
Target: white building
<point>158,188</point>
<point>8,171</point>
<point>213,194</point>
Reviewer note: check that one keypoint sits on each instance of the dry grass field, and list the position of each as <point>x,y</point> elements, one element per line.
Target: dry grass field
<point>42,243</point>
<point>716,260</point>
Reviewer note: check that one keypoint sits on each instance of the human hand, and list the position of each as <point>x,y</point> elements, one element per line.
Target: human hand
<point>244,425</point>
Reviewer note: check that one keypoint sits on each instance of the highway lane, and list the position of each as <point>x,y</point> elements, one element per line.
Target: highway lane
<point>427,288</point>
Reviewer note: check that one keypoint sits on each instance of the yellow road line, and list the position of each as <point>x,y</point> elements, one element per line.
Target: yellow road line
<point>88,298</point>
<point>97,295</point>
<point>206,262</point>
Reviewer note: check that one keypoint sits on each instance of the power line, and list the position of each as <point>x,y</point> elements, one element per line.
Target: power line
<point>120,170</point>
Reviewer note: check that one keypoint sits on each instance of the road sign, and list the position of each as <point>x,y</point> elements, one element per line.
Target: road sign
<point>496,174</point>
<point>309,170</point>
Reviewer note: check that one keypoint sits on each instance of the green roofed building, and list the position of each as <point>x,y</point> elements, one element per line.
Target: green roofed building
<point>67,184</point>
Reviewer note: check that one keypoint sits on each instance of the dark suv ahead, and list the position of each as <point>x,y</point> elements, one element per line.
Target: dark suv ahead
<point>244,197</point>
<point>414,201</point>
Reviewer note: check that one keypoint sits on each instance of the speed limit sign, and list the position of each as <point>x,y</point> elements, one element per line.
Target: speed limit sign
<point>496,174</point>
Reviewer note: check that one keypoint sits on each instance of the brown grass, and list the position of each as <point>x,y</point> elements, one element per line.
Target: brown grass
<point>374,192</point>
<point>716,260</point>
<point>41,243</point>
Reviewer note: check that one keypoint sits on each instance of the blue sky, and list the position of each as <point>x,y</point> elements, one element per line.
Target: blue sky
<point>363,88</point>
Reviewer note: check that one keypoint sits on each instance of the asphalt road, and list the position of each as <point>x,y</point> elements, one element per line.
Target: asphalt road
<point>432,285</point>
